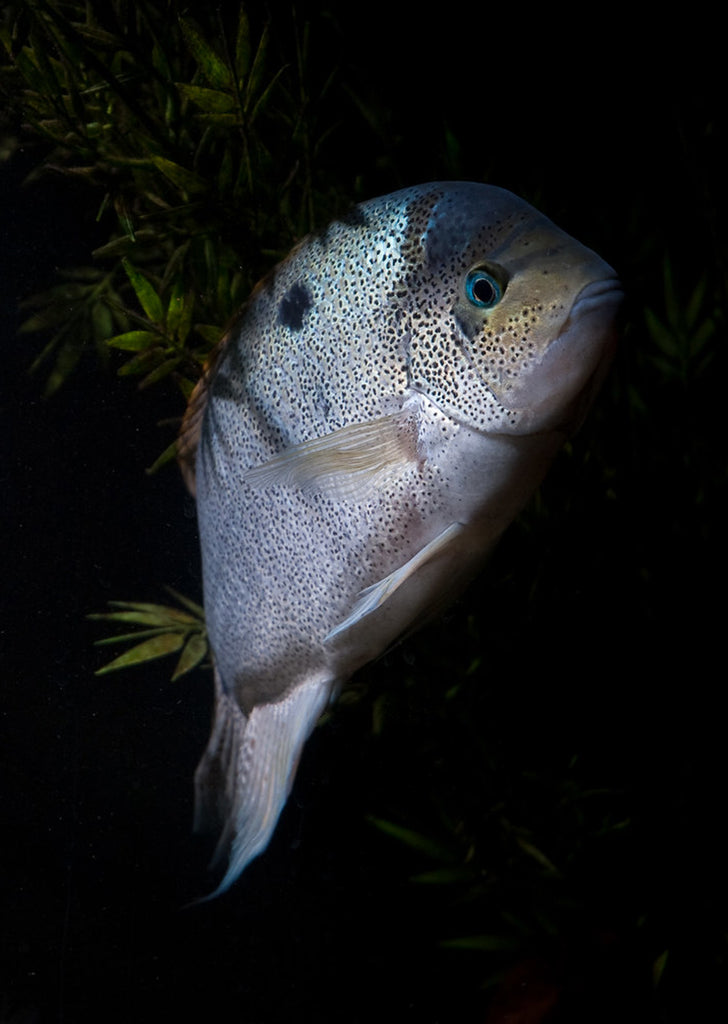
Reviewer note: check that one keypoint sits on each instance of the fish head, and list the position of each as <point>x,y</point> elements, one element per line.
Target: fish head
<point>515,323</point>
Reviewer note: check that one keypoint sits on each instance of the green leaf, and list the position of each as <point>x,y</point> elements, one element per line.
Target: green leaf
<point>658,967</point>
<point>147,614</point>
<point>212,333</point>
<point>137,635</point>
<point>185,180</point>
<point>212,67</point>
<point>140,363</point>
<point>197,610</point>
<point>156,647</point>
<point>444,876</point>
<point>160,372</point>
<point>179,311</point>
<point>257,70</point>
<point>148,298</point>
<point>168,455</point>
<point>263,98</point>
<point>538,856</point>
<point>242,45</point>
<point>68,356</point>
<point>192,654</point>
<point>133,341</point>
<point>415,840</point>
<point>212,101</point>
<point>102,320</point>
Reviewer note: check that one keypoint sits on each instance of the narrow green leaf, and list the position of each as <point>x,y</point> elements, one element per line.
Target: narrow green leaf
<point>124,244</point>
<point>212,333</point>
<point>185,180</point>
<point>168,455</point>
<point>43,320</point>
<point>160,372</point>
<point>212,101</point>
<point>538,855</point>
<point>156,647</point>
<point>133,341</point>
<point>257,70</point>
<point>148,298</point>
<point>263,99</point>
<point>222,120</point>
<point>137,635</point>
<point>443,876</point>
<point>151,618</point>
<point>140,363</point>
<point>415,840</point>
<point>165,613</point>
<point>186,386</point>
<point>68,356</point>
<point>197,610</point>
<point>658,967</point>
<point>175,307</point>
<point>212,67</point>
<point>242,45</point>
<point>662,337</point>
<point>102,320</point>
<point>192,654</point>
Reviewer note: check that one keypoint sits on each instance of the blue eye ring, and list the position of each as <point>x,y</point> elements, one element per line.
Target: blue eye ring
<point>482,289</point>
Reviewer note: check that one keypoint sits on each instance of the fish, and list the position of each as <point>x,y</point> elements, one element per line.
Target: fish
<point>385,404</point>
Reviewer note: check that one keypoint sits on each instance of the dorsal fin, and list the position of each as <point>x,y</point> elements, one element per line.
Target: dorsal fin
<point>189,434</point>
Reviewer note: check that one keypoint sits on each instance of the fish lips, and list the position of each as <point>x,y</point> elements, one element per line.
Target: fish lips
<point>558,391</point>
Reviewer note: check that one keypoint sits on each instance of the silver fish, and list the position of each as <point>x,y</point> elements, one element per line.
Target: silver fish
<point>389,398</point>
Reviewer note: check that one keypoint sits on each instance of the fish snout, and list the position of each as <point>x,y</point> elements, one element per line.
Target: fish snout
<point>559,389</point>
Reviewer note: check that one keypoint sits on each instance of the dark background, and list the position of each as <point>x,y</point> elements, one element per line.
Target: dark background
<point>599,627</point>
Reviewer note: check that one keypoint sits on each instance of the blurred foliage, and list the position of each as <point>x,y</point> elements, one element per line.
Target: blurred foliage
<point>201,148</point>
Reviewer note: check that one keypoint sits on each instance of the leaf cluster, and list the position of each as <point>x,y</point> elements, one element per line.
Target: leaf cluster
<point>164,630</point>
<point>199,143</point>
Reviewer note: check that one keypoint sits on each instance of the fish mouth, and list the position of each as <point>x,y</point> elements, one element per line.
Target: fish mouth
<point>559,389</point>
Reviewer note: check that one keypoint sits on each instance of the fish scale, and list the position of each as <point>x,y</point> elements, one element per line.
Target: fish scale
<point>389,398</point>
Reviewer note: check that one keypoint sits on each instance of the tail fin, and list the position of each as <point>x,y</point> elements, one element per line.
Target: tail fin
<point>246,773</point>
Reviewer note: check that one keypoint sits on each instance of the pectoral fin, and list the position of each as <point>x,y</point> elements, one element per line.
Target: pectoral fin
<point>351,462</point>
<point>375,596</point>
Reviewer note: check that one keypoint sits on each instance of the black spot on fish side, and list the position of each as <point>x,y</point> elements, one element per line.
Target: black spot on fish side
<point>354,218</point>
<point>294,305</point>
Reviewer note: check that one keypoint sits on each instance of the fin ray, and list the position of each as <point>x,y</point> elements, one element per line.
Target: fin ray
<point>374,596</point>
<point>350,461</point>
<point>246,773</point>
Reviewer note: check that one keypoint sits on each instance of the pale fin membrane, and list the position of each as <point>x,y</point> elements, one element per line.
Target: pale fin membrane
<point>351,462</point>
<point>373,597</point>
<point>247,771</point>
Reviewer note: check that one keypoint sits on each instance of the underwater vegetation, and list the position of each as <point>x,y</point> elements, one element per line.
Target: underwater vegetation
<point>545,764</point>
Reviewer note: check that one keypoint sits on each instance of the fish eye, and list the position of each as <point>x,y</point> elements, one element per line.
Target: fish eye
<point>482,289</point>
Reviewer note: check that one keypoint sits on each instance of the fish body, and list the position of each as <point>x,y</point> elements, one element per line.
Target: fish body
<point>390,397</point>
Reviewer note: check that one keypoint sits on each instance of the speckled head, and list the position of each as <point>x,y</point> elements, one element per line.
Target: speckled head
<point>513,319</point>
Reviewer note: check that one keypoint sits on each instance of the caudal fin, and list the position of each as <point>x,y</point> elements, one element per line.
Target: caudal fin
<point>246,772</point>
